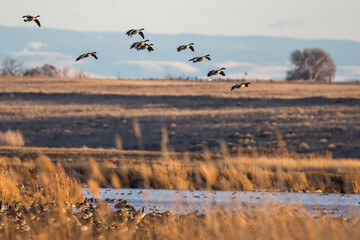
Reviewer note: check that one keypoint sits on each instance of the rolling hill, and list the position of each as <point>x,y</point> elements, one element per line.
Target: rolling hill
<point>261,57</point>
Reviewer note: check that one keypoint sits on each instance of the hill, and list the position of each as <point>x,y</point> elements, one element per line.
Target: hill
<point>262,57</point>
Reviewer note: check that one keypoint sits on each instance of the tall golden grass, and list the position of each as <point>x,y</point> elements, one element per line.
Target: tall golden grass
<point>45,196</point>
<point>11,138</point>
<point>244,173</point>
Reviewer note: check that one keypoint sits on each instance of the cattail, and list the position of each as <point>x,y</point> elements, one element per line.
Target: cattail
<point>137,131</point>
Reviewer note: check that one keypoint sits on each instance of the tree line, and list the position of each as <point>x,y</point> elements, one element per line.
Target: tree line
<point>10,67</point>
<point>309,64</point>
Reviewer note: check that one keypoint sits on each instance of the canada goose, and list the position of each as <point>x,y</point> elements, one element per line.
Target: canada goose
<point>199,59</point>
<point>146,46</point>
<point>139,215</point>
<point>215,72</point>
<point>29,18</point>
<point>184,47</point>
<point>85,55</point>
<point>138,44</point>
<point>132,32</point>
<point>240,85</point>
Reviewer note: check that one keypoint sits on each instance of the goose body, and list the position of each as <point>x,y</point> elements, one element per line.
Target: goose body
<point>184,47</point>
<point>199,59</point>
<point>146,46</point>
<point>133,32</point>
<point>29,18</point>
<point>138,44</point>
<point>138,216</point>
<point>216,72</point>
<point>240,85</point>
<point>85,55</point>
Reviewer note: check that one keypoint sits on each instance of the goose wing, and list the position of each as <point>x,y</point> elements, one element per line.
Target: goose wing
<point>27,16</point>
<point>222,73</point>
<point>134,45</point>
<point>80,57</point>
<point>142,34</point>
<point>210,73</point>
<point>180,48</point>
<point>235,86</point>
<point>193,59</point>
<point>192,48</point>
<point>129,32</point>
<point>94,55</point>
<point>37,22</point>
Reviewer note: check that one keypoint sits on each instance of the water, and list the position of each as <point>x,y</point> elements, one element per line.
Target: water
<point>186,201</point>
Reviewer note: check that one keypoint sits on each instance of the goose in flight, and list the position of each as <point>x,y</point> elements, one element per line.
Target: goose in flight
<point>240,85</point>
<point>132,32</point>
<point>199,59</point>
<point>85,55</point>
<point>216,72</point>
<point>138,44</point>
<point>29,18</point>
<point>187,46</point>
<point>146,46</point>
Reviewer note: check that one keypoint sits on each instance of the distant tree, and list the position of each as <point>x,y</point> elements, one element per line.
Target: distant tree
<point>46,70</point>
<point>11,67</point>
<point>65,71</point>
<point>311,64</point>
<point>80,74</point>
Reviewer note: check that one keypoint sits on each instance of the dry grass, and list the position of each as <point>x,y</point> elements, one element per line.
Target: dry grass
<point>42,197</point>
<point>11,138</point>
<point>168,170</point>
<point>44,184</point>
<point>102,112</point>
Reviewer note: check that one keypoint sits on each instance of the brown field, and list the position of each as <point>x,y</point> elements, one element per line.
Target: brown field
<point>94,113</point>
<point>57,135</point>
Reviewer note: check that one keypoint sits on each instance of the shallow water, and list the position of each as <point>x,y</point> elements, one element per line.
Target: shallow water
<point>185,201</point>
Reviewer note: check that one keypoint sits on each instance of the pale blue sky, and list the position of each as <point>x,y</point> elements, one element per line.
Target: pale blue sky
<point>306,19</point>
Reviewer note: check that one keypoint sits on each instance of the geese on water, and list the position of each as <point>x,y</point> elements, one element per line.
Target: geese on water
<point>199,59</point>
<point>138,44</point>
<point>85,55</point>
<point>216,72</point>
<point>240,85</point>
<point>184,47</point>
<point>29,18</point>
<point>146,46</point>
<point>133,32</point>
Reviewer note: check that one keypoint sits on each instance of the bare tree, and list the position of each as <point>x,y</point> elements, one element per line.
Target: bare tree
<point>65,71</point>
<point>80,74</point>
<point>311,64</point>
<point>11,67</point>
<point>46,70</point>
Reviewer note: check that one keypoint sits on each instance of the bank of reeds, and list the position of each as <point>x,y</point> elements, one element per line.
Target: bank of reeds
<point>166,170</point>
<point>242,173</point>
<point>38,201</point>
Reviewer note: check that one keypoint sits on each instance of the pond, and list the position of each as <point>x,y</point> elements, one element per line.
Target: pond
<point>186,201</point>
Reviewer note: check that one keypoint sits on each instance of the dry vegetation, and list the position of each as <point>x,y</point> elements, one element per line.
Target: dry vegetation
<point>270,137</point>
<point>39,201</point>
<point>246,171</point>
<point>315,117</point>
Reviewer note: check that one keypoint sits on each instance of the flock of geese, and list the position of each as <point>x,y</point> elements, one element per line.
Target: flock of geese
<point>144,45</point>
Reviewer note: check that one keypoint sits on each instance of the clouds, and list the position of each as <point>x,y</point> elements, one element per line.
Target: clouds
<point>36,45</point>
<point>254,70</point>
<point>351,69</point>
<point>348,72</point>
<point>159,66</point>
<point>38,57</point>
